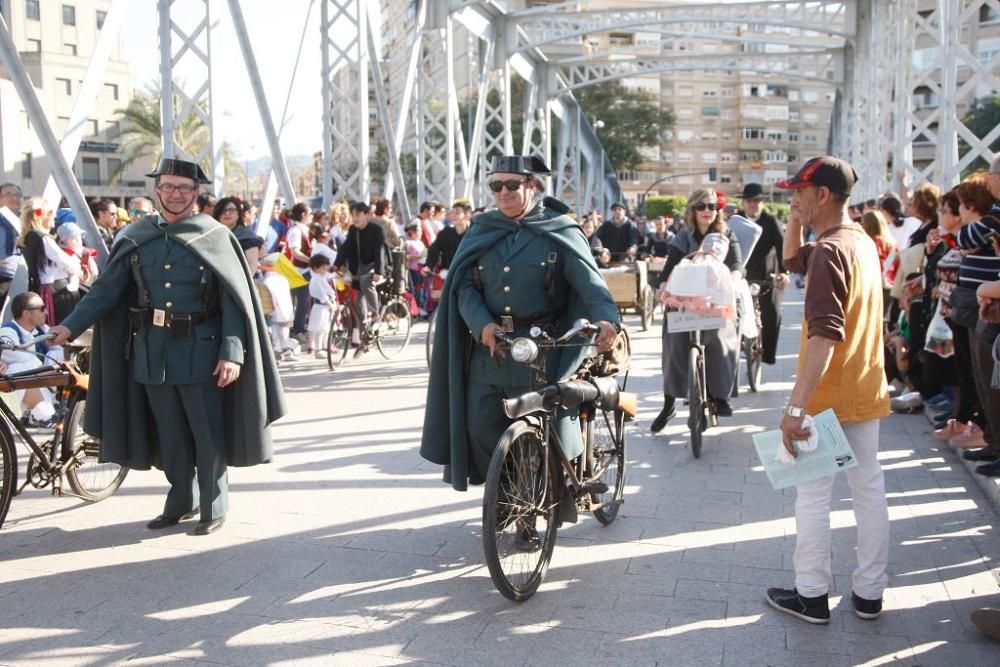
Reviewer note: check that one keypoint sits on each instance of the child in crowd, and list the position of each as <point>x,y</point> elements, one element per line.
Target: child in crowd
<point>324,300</point>
<point>71,241</point>
<point>282,312</point>
<point>416,253</point>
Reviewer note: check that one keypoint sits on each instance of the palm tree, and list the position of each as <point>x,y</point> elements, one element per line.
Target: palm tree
<point>142,138</point>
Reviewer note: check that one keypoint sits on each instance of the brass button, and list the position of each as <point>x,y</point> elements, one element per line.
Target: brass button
<point>167,285</point>
<point>506,269</point>
<point>169,304</point>
<point>543,263</point>
<point>506,309</point>
<point>166,267</point>
<point>202,268</point>
<point>506,288</point>
<point>480,267</point>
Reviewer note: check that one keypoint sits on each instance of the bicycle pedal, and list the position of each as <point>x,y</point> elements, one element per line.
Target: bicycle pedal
<point>594,486</point>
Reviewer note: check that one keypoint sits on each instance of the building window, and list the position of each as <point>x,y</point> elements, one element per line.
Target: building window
<point>683,156</point>
<point>726,158</point>
<point>114,164</point>
<point>728,114</point>
<point>92,127</point>
<point>725,178</point>
<point>114,128</point>
<point>752,132</point>
<point>69,15</point>
<point>90,171</point>
<point>35,45</point>
<point>685,91</point>
<point>810,96</point>
<point>112,90</point>
<point>793,137</point>
<point>69,49</point>
<point>65,85</point>
<point>708,158</point>
<point>26,165</point>
<point>685,113</point>
<point>32,11</point>
<point>101,16</point>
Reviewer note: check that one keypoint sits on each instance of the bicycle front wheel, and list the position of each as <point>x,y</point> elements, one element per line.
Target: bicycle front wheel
<point>519,520</point>
<point>8,470</point>
<point>339,338</point>
<point>606,434</point>
<point>88,477</point>
<point>394,328</point>
<point>696,399</point>
<point>752,351</point>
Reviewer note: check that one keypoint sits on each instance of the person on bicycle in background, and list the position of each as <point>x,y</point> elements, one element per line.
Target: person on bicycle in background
<point>445,245</point>
<point>364,254</point>
<point>619,235</point>
<point>765,266</point>
<point>28,311</point>
<point>701,217</point>
<point>524,264</point>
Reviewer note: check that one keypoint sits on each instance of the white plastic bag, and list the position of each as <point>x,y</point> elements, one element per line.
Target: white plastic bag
<point>939,339</point>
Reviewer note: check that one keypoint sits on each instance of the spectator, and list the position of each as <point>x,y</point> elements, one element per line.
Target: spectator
<point>28,311</point>
<point>600,253</point>
<point>321,242</point>
<point>205,203</point>
<point>382,217</point>
<point>49,268</point>
<point>140,207</point>
<point>324,300</point>
<point>875,226</point>
<point>619,235</point>
<point>11,198</point>
<point>228,211</point>
<point>340,223</point>
<point>71,241</point>
<point>923,205</point>
<point>105,214</point>
<point>658,243</point>
<point>841,348</point>
<point>427,231</point>
<point>274,239</point>
<point>416,254</point>
<point>298,248</point>
<point>900,226</point>
<point>282,312</point>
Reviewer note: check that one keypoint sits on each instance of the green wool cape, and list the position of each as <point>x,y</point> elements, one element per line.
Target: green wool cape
<point>117,411</point>
<point>445,435</point>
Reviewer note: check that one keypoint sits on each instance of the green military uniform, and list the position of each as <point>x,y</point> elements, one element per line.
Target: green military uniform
<point>513,273</point>
<point>173,300</point>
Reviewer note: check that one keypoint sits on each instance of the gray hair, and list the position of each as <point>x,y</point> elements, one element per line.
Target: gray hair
<point>995,165</point>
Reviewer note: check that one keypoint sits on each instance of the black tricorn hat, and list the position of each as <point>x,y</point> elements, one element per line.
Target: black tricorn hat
<point>753,191</point>
<point>172,167</point>
<point>528,165</point>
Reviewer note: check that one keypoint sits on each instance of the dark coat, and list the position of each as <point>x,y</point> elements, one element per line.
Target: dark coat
<point>117,411</point>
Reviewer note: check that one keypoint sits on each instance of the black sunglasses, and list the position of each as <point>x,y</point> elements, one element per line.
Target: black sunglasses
<point>511,184</point>
<point>704,206</point>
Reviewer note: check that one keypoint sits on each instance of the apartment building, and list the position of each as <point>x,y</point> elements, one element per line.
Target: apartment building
<point>55,39</point>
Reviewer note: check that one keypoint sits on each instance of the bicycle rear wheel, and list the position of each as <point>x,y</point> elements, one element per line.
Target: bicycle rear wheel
<point>519,519</point>
<point>8,470</point>
<point>429,344</point>
<point>88,477</point>
<point>606,435</point>
<point>339,338</point>
<point>752,352</point>
<point>394,328</point>
<point>696,399</point>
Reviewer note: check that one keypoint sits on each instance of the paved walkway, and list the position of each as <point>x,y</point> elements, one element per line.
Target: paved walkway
<point>349,550</point>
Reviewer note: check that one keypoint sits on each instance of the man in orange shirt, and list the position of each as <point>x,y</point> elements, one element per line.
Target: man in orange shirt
<point>841,368</point>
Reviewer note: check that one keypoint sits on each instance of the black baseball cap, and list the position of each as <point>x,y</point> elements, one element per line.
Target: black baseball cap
<point>826,171</point>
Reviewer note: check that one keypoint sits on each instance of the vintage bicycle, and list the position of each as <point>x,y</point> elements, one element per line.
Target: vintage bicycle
<point>68,452</point>
<point>531,484</point>
<point>753,349</point>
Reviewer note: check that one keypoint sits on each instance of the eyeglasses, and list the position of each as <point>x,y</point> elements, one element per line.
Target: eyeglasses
<point>511,184</point>
<point>170,188</point>
<point>230,209</point>
<point>704,206</point>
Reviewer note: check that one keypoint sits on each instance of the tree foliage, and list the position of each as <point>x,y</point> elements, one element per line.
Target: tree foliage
<point>670,206</point>
<point>632,120</point>
<point>981,119</point>
<point>778,210</point>
<point>379,169</point>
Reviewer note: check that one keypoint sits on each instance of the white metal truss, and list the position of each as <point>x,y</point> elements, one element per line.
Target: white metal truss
<point>187,73</point>
<point>435,121</point>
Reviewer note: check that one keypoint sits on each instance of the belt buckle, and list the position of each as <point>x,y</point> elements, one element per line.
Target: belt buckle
<point>159,317</point>
<point>507,323</point>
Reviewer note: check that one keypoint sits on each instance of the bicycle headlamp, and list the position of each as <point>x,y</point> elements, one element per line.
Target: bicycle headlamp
<point>523,350</point>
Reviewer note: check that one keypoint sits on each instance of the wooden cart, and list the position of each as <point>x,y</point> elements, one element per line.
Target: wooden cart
<point>629,287</point>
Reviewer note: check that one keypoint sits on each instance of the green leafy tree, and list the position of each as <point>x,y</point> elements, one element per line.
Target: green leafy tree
<point>141,137</point>
<point>379,169</point>
<point>632,120</point>
<point>981,119</point>
<point>670,206</point>
<point>778,210</point>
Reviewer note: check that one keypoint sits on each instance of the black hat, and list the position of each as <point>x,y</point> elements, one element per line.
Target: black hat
<point>172,167</point>
<point>826,171</point>
<point>753,191</point>
<point>527,165</point>
<point>620,205</point>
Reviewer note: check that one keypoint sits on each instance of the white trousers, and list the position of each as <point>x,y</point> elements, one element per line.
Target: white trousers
<point>812,521</point>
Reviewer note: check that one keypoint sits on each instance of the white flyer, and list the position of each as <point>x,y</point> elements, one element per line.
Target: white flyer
<point>832,454</point>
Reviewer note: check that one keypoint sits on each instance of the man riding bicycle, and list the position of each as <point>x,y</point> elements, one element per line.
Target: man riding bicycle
<point>363,253</point>
<point>524,264</point>
<point>619,236</point>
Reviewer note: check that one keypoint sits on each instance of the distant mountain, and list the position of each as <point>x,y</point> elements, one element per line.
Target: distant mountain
<point>262,165</point>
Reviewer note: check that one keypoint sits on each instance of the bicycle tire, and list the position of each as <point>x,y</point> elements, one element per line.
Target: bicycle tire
<point>517,497</point>
<point>696,398</point>
<point>429,343</point>
<point>8,470</point>
<point>339,338</point>
<point>752,351</point>
<point>648,307</point>
<point>89,478</point>
<point>395,327</point>
<point>606,435</point>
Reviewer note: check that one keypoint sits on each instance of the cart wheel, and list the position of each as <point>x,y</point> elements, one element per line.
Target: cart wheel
<point>648,307</point>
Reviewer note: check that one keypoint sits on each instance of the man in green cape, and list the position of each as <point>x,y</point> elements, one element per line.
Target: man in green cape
<point>182,372</point>
<point>522,264</point>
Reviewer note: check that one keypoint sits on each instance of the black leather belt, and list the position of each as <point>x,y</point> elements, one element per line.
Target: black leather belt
<point>178,324</point>
<point>510,323</point>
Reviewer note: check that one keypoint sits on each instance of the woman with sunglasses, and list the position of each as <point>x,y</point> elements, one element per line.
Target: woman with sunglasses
<point>701,217</point>
<point>49,268</point>
<point>231,211</point>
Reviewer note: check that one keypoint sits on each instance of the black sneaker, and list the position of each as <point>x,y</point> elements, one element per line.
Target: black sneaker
<point>985,454</point>
<point>811,610</point>
<point>722,408</point>
<point>866,609</point>
<point>666,414</point>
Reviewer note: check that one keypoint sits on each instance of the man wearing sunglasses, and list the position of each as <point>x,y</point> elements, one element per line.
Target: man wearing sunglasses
<point>139,207</point>
<point>523,264</point>
<point>182,373</point>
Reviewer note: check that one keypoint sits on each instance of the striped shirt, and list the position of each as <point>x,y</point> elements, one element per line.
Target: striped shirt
<point>982,265</point>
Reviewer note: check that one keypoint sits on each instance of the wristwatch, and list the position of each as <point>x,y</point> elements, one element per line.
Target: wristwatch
<point>794,411</point>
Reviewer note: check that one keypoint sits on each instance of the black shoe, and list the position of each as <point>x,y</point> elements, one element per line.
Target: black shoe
<point>811,610</point>
<point>866,609</point>
<point>209,527</point>
<point>982,455</point>
<point>666,414</point>
<point>989,469</point>
<point>167,521</point>
<point>527,540</point>
<point>722,408</point>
